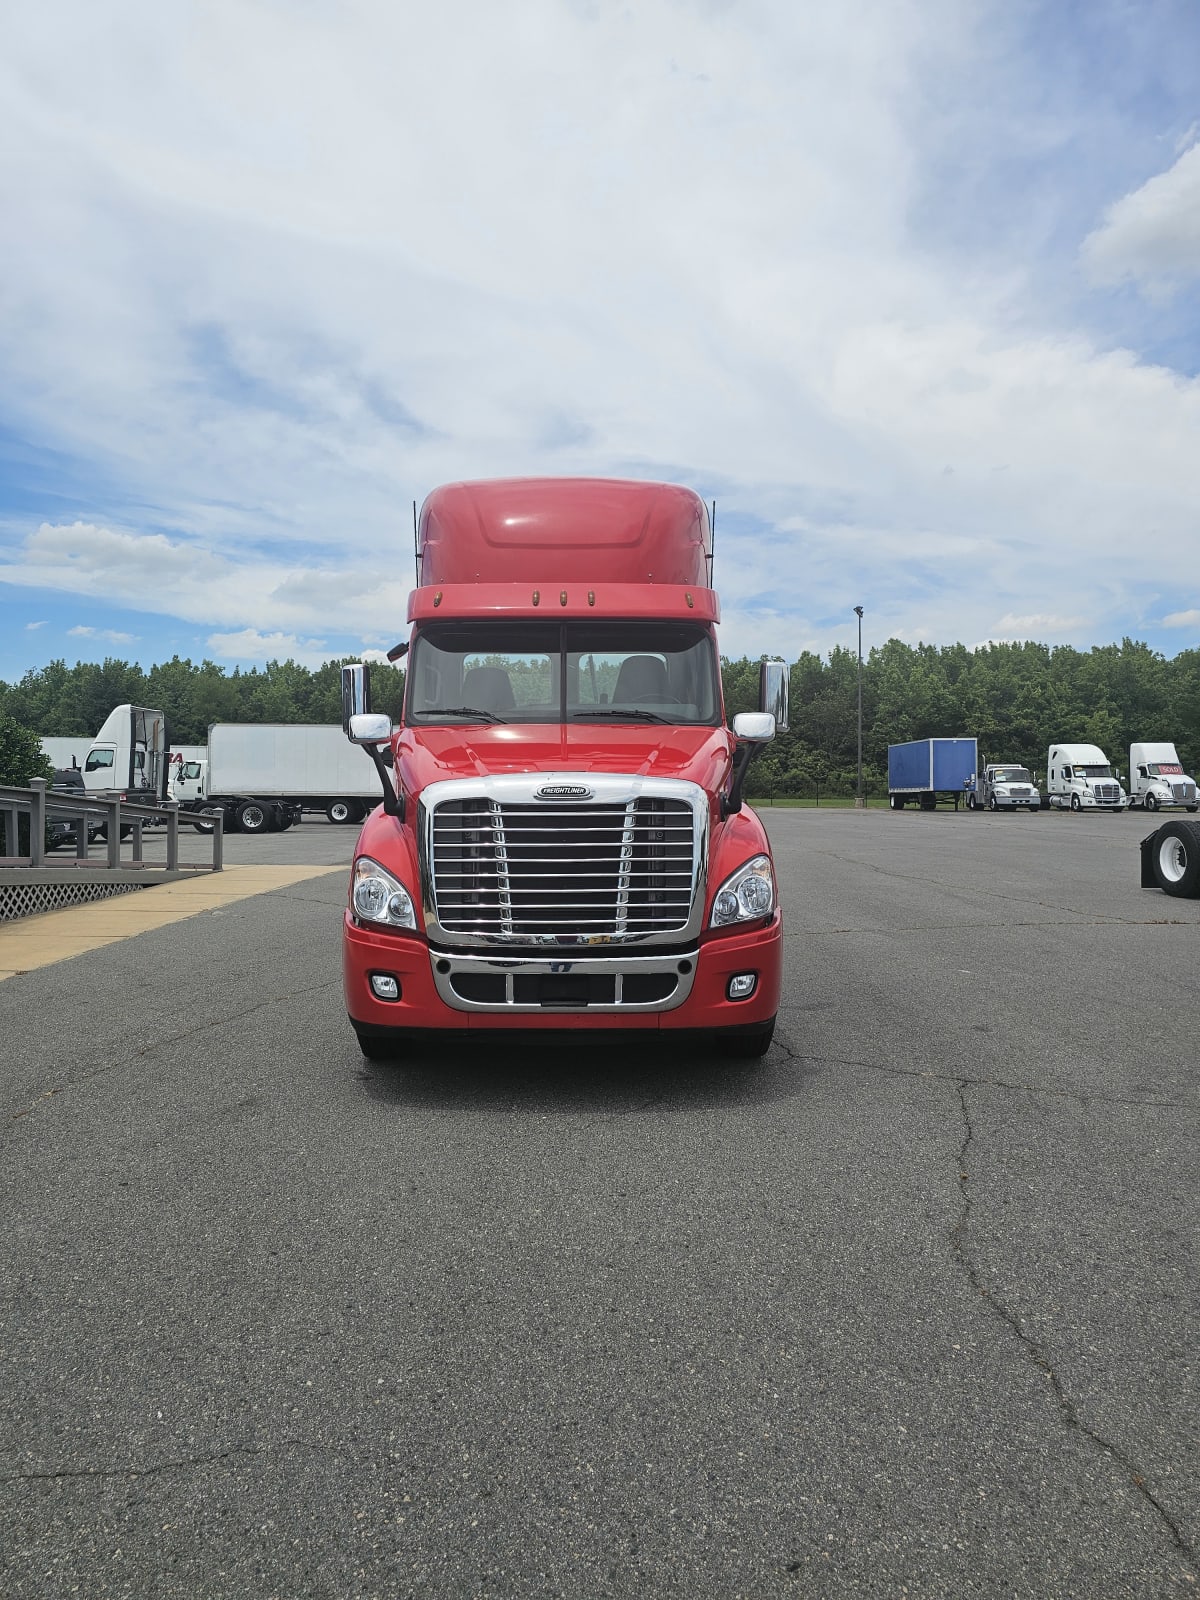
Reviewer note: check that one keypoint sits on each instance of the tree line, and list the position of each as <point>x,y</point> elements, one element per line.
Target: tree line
<point>1014,698</point>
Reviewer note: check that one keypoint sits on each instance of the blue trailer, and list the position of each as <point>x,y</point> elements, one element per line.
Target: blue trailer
<point>922,769</point>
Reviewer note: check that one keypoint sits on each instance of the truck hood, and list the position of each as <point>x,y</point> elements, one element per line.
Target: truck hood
<point>432,755</point>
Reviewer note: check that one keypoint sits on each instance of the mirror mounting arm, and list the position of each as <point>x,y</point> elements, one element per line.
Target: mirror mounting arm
<point>392,803</point>
<point>731,802</point>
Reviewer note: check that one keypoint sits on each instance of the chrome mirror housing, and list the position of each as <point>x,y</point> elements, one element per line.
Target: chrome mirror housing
<point>754,727</point>
<point>356,692</point>
<point>369,727</point>
<point>773,691</point>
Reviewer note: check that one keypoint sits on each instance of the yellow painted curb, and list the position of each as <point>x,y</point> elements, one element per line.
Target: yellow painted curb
<point>40,941</point>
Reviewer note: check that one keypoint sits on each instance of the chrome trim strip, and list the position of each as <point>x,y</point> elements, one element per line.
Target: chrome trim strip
<point>447,965</point>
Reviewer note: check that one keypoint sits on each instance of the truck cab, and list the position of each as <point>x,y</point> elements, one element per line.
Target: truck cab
<point>129,756</point>
<point>1006,786</point>
<point>562,842</point>
<point>1157,778</point>
<point>1080,778</point>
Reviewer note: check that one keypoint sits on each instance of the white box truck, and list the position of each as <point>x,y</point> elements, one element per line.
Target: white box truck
<point>265,775</point>
<point>1005,786</point>
<point>1079,778</point>
<point>1157,778</point>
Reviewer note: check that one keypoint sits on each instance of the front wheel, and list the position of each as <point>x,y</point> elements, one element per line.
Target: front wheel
<point>992,802</point>
<point>747,1046</point>
<point>1150,803</point>
<point>378,1047</point>
<point>1075,806</point>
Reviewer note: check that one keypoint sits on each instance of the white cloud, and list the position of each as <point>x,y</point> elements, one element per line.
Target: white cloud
<point>1044,626</point>
<point>1182,619</point>
<point>32,627</point>
<point>250,645</point>
<point>1153,234</point>
<point>109,635</point>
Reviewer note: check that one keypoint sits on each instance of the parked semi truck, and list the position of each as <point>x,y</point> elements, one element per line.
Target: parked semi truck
<point>1080,778</point>
<point>921,769</point>
<point>1005,786</point>
<point>563,842</point>
<point>1157,778</point>
<point>266,775</point>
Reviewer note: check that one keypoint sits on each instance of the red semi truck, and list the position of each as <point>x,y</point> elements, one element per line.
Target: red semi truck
<point>562,841</point>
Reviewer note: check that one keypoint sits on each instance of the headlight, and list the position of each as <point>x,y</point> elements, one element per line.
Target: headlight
<point>746,896</point>
<point>378,897</point>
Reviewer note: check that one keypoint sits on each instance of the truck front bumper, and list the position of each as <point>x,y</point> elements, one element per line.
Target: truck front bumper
<point>612,990</point>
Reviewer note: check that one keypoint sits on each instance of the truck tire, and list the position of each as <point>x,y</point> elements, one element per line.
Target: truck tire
<point>749,1045</point>
<point>991,805</point>
<point>1075,806</point>
<point>379,1047</point>
<point>896,801</point>
<point>340,811</point>
<point>1150,803</point>
<point>1175,859</point>
<point>253,816</point>
<point>928,802</point>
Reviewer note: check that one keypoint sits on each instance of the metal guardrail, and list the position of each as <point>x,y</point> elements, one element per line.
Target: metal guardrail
<point>39,802</point>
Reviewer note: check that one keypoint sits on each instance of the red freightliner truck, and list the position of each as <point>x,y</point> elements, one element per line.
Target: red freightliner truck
<point>562,842</point>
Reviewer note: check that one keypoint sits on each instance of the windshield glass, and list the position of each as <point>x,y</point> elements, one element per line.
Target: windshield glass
<point>1094,772</point>
<point>1163,769</point>
<point>1011,775</point>
<point>562,672</point>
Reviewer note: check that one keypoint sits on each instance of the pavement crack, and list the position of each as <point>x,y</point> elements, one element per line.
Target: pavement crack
<point>1032,1349</point>
<point>180,1464</point>
<point>160,1042</point>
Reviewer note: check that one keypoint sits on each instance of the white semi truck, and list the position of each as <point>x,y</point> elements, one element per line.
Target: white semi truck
<point>1157,778</point>
<point>266,775</point>
<point>1080,778</point>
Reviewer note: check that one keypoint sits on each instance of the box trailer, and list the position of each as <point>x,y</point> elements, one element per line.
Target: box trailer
<point>922,769</point>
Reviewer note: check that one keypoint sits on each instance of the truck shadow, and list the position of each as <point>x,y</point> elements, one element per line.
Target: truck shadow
<point>586,1077</point>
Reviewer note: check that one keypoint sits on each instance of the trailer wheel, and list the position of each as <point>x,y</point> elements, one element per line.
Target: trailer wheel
<point>747,1046</point>
<point>340,811</point>
<point>896,801</point>
<point>253,817</point>
<point>928,802</point>
<point>1175,858</point>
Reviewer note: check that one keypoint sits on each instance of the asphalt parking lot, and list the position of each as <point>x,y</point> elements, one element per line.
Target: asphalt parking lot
<point>907,1308</point>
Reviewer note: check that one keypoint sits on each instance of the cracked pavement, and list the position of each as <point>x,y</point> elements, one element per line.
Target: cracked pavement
<point>908,1308</point>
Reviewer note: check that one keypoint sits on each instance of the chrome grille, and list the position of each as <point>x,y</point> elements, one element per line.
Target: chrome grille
<point>1107,794</point>
<point>529,871</point>
<point>624,863</point>
<point>1185,793</point>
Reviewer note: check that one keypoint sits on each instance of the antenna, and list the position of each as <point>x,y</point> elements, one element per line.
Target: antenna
<point>416,551</point>
<point>712,543</point>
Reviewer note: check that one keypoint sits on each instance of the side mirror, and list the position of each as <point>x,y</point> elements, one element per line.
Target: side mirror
<point>773,693</point>
<point>369,727</point>
<point>754,727</point>
<point>356,693</point>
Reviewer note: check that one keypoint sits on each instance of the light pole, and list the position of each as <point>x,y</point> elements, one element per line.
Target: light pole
<point>859,801</point>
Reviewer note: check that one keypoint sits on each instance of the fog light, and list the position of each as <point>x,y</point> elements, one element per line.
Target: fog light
<point>741,985</point>
<point>384,986</point>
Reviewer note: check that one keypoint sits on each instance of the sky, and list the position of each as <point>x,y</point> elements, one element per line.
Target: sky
<point>909,288</point>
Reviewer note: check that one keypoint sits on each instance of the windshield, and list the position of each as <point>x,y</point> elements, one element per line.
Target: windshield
<point>1164,769</point>
<point>1094,772</point>
<point>562,672</point>
<point>1011,775</point>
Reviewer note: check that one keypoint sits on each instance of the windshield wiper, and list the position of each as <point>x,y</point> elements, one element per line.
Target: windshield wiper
<point>462,711</point>
<point>621,716</point>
